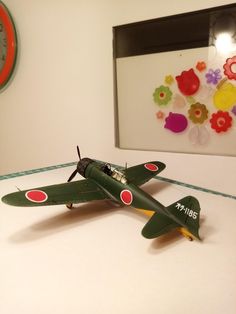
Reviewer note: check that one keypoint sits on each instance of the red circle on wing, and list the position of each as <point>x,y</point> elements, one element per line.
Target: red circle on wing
<point>151,167</point>
<point>126,196</point>
<point>36,196</point>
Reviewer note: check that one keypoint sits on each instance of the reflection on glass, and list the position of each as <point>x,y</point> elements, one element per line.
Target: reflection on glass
<point>224,43</point>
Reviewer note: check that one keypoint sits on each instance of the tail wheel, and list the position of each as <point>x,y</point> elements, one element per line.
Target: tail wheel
<point>186,234</point>
<point>189,238</point>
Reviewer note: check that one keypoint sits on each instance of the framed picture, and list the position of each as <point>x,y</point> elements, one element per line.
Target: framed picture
<point>175,83</point>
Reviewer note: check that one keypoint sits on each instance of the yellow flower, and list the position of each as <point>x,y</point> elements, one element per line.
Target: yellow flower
<point>169,79</point>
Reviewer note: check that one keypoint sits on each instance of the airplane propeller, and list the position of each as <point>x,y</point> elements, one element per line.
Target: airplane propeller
<point>78,152</point>
<point>75,171</point>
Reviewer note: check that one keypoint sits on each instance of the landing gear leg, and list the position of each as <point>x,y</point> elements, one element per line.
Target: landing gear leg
<point>69,206</point>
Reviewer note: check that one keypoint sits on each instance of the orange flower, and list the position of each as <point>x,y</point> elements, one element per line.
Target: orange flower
<point>201,66</point>
<point>160,114</point>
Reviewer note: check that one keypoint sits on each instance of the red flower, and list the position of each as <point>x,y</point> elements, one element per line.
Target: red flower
<point>228,68</point>
<point>188,82</point>
<point>221,121</point>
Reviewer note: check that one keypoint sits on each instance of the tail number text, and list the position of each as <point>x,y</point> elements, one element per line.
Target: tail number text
<point>186,210</point>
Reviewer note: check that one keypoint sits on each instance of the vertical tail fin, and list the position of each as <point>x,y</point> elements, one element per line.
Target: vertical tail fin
<point>186,212</point>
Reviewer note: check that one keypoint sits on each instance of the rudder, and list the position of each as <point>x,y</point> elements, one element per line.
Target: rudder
<point>186,212</point>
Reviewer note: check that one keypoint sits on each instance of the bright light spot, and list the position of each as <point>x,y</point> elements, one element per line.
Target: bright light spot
<point>224,43</point>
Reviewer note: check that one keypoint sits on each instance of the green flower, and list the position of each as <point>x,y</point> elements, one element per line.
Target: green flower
<point>162,95</point>
<point>198,113</point>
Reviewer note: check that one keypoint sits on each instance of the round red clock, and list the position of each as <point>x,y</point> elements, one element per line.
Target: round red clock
<point>8,45</point>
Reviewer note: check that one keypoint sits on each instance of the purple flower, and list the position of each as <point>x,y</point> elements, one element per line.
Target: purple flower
<point>213,76</point>
<point>234,110</point>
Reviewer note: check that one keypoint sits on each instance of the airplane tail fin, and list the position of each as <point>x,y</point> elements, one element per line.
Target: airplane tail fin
<point>184,213</point>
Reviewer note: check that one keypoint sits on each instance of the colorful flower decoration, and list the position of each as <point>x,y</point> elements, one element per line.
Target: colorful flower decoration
<point>169,79</point>
<point>178,101</point>
<point>225,97</point>
<point>221,121</point>
<point>199,135</point>
<point>234,110</point>
<point>198,113</point>
<point>162,95</point>
<point>190,100</point>
<point>213,76</point>
<point>160,115</point>
<point>228,68</point>
<point>205,93</point>
<point>198,97</point>
<point>176,122</point>
<point>188,82</point>
<point>201,66</point>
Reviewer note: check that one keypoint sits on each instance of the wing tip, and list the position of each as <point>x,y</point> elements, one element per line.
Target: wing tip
<point>7,199</point>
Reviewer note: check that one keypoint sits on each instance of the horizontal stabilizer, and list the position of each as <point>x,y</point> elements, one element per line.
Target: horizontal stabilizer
<point>157,225</point>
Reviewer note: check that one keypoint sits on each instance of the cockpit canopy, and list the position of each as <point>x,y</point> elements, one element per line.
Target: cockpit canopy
<point>115,174</point>
<point>119,176</point>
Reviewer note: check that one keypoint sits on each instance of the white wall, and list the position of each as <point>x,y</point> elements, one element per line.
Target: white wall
<point>62,92</point>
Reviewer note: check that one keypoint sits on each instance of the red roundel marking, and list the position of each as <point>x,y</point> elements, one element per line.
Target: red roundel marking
<point>36,196</point>
<point>151,167</point>
<point>126,196</point>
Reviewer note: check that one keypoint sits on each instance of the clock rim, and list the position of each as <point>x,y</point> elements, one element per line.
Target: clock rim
<point>8,24</point>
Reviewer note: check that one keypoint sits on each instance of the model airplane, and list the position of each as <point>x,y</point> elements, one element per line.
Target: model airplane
<point>103,182</point>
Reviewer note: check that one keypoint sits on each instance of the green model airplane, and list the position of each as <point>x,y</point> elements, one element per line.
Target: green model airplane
<point>103,182</point>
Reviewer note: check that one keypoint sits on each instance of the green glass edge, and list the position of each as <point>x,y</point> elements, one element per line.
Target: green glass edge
<point>195,187</point>
<point>28,172</point>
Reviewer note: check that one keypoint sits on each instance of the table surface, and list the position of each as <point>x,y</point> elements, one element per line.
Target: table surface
<point>94,260</point>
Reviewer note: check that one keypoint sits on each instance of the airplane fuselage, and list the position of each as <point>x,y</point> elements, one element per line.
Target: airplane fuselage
<point>125,193</point>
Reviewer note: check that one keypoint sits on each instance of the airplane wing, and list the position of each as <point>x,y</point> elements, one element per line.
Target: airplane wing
<point>72,192</point>
<point>140,174</point>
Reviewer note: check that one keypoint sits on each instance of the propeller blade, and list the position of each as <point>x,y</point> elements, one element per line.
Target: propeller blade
<point>74,172</point>
<point>72,175</point>
<point>78,152</point>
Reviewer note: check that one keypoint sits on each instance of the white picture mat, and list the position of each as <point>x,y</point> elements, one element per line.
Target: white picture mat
<point>137,78</point>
